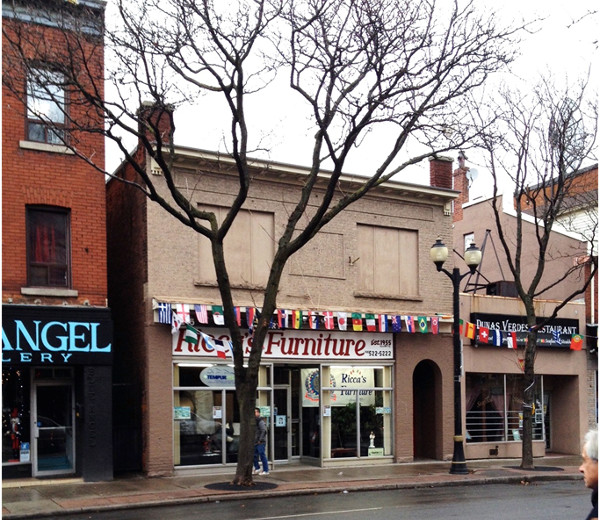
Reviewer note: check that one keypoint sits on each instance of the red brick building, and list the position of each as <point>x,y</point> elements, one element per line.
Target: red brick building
<point>56,325</point>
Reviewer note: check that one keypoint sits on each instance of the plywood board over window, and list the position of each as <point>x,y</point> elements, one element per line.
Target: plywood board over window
<point>249,249</point>
<point>388,262</point>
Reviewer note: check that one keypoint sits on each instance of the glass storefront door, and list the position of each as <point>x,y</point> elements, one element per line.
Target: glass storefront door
<point>52,427</point>
<point>282,423</point>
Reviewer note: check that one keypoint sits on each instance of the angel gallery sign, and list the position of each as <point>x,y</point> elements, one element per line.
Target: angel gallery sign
<point>38,335</point>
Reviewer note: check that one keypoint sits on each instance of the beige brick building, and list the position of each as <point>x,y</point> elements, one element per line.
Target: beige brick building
<point>330,395</point>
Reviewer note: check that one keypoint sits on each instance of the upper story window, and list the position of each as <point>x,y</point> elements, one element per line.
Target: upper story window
<point>46,105</point>
<point>388,262</point>
<point>249,249</point>
<point>48,247</point>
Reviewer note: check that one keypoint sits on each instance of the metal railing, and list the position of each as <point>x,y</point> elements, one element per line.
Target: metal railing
<point>492,426</point>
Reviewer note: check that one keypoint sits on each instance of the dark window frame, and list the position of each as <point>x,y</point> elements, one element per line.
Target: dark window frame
<point>45,267</point>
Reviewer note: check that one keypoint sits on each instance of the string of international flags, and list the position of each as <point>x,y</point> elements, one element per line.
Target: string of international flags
<point>177,314</point>
<point>203,314</point>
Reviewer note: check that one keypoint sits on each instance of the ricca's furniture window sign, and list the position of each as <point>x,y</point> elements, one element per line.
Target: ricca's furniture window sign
<point>51,336</point>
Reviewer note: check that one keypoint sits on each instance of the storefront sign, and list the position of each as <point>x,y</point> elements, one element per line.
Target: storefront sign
<point>353,379</point>
<point>56,335</point>
<point>296,344</point>
<point>557,333</point>
<point>218,375</point>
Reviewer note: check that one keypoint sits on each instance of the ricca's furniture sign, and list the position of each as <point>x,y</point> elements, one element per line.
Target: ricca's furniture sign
<point>294,344</point>
<point>56,335</point>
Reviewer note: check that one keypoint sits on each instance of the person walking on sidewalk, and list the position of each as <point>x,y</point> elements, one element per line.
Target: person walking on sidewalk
<point>589,468</point>
<point>260,440</point>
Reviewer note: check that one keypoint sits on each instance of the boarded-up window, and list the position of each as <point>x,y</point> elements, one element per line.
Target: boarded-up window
<point>388,261</point>
<point>249,249</point>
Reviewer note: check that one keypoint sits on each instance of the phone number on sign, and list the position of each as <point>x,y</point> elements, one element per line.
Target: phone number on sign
<point>378,353</point>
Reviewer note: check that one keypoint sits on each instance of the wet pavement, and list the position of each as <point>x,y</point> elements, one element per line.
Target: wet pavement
<point>37,498</point>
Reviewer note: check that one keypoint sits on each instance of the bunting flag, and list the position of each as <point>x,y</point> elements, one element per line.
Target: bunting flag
<point>191,334</point>
<point>183,311</point>
<point>328,320</point>
<point>176,322</point>
<point>357,322</point>
<point>313,320</point>
<point>223,348</point>
<point>250,313</point>
<point>217,314</point>
<point>297,319</point>
<point>164,313</point>
<point>370,322</point>
<point>201,313</point>
<point>496,338</point>
<point>273,323</point>
<point>435,324</point>
<point>220,348</point>
<point>511,340</point>
<point>237,311</point>
<point>410,323</point>
<point>484,334</point>
<point>422,321</point>
<point>396,323</point>
<point>460,327</point>
<point>470,330</point>
<point>342,320</point>
<point>383,323</point>
<point>576,342</point>
<point>282,318</point>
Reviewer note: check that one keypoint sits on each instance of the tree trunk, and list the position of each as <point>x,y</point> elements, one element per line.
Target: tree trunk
<point>528,398</point>
<point>246,401</point>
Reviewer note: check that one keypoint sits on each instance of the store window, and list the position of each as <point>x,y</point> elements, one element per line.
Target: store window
<point>15,415</point>
<point>494,408</point>
<point>357,412</point>
<point>48,247</point>
<point>388,264</point>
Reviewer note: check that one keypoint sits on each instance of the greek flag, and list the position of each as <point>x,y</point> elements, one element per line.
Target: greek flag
<point>164,313</point>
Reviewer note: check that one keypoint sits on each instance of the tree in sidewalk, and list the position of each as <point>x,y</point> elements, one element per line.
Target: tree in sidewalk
<point>399,69</point>
<point>541,139</point>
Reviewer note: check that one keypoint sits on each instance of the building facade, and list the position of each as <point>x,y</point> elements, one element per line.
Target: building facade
<point>357,365</point>
<point>566,403</point>
<point>56,325</point>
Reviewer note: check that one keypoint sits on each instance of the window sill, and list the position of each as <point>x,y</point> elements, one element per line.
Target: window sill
<point>247,286</point>
<point>383,296</point>
<point>49,291</point>
<point>45,147</point>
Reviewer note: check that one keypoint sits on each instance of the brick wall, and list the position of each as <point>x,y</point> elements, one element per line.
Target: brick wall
<point>57,179</point>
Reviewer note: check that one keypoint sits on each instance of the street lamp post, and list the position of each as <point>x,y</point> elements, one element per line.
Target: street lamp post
<point>439,254</point>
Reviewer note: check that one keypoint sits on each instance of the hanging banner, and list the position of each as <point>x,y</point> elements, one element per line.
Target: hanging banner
<point>300,344</point>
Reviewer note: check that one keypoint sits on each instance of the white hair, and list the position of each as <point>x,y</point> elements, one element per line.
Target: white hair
<point>591,444</point>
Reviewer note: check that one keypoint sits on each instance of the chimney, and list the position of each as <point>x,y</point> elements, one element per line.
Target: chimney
<point>155,121</point>
<point>440,172</point>
<point>461,183</point>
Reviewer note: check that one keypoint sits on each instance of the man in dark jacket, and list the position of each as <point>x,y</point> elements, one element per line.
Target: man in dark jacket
<point>589,468</point>
<point>260,441</point>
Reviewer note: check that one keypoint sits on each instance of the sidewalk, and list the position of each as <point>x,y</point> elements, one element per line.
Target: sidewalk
<point>35,498</point>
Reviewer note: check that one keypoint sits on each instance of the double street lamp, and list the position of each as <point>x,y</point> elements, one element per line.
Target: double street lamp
<point>439,254</point>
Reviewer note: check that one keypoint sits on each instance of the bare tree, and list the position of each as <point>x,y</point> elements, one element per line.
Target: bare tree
<point>541,140</point>
<point>400,67</point>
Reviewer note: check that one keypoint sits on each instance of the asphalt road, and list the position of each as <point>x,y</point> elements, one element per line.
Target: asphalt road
<point>542,501</point>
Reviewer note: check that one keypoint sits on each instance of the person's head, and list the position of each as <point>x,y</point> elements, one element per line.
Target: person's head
<point>257,412</point>
<point>589,466</point>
